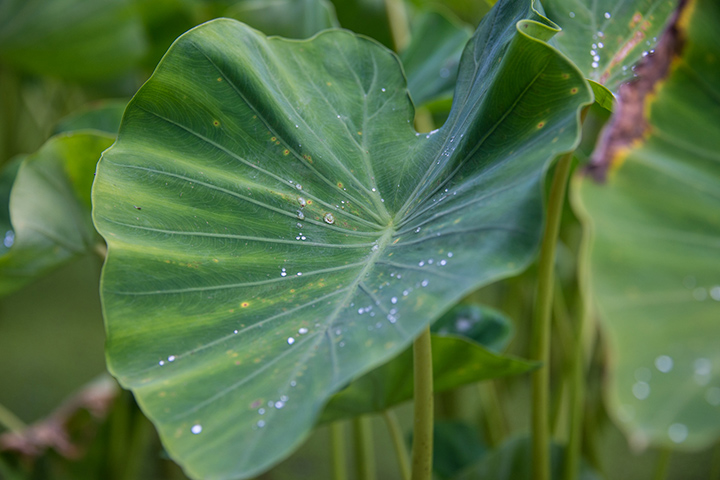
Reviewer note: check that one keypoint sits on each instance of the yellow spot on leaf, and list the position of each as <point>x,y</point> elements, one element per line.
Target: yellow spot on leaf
<point>286,152</point>
<point>245,304</point>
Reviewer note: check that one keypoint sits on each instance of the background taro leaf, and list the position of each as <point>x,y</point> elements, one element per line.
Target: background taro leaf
<point>656,221</point>
<point>432,57</point>
<point>289,18</point>
<point>605,39</point>
<point>7,177</point>
<point>456,446</point>
<point>283,197</point>
<point>512,461</point>
<point>464,343</point>
<point>50,208</point>
<point>104,116</point>
<point>50,37</point>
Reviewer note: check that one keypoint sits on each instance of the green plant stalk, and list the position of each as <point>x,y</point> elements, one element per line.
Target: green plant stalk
<point>492,413</point>
<point>541,323</point>
<point>338,449</point>
<point>661,468</point>
<point>397,438</point>
<point>139,444</point>
<point>11,421</point>
<point>715,463</point>
<point>399,25</point>
<point>364,454</point>
<point>422,448</point>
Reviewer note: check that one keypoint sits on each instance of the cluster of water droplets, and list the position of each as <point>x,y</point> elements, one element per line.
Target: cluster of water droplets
<point>9,239</point>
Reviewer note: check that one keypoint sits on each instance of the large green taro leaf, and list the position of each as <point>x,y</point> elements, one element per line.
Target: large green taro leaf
<point>268,200</point>
<point>75,39</point>
<point>50,208</point>
<point>465,345</point>
<point>654,261</point>
<point>605,39</point>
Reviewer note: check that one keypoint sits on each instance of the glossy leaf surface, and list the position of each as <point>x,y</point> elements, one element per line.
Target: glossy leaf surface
<point>605,39</point>
<point>50,208</point>
<point>654,260</point>
<point>285,206</point>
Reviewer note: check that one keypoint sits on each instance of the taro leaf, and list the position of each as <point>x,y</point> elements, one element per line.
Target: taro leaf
<point>285,196</point>
<point>74,39</point>
<point>605,39</point>
<point>512,461</point>
<point>289,18</point>
<point>7,177</point>
<point>482,324</point>
<point>431,60</point>
<point>50,208</point>
<point>456,446</point>
<point>457,361</point>
<point>656,220</point>
<point>104,116</point>
<point>603,97</point>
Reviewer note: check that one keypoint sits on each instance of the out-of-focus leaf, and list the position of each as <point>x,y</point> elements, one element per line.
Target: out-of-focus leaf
<point>456,446</point>
<point>605,39</point>
<point>50,208</point>
<point>479,323</point>
<point>431,60</point>
<point>368,17</point>
<point>103,116</point>
<point>469,11</point>
<point>238,138</point>
<point>456,361</point>
<point>654,257</point>
<point>513,461</point>
<point>287,18</point>
<point>73,39</point>
<point>7,177</point>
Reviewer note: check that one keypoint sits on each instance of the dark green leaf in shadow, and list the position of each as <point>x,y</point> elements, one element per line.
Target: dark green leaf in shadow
<point>605,39</point>
<point>479,323</point>
<point>431,60</point>
<point>295,232</point>
<point>73,39</point>
<point>103,116</point>
<point>512,461</point>
<point>367,17</point>
<point>655,217</point>
<point>50,208</point>
<point>287,18</point>
<point>456,362</point>
<point>7,177</point>
<point>456,446</point>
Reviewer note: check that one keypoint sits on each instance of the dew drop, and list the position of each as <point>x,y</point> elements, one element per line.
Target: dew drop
<point>424,283</point>
<point>664,363</point>
<point>443,262</point>
<point>171,358</point>
<point>302,330</point>
<point>300,215</point>
<point>641,390</point>
<point>678,432</point>
<point>261,423</point>
<point>329,219</point>
<point>607,15</point>
<point>9,239</point>
<point>572,14</point>
<point>161,362</point>
<point>279,404</point>
<point>196,429</point>
<point>299,274</point>
<point>382,89</point>
<point>421,263</point>
<point>261,411</point>
<point>298,186</point>
<point>302,202</point>
<point>290,340</point>
<point>450,254</point>
<point>393,300</point>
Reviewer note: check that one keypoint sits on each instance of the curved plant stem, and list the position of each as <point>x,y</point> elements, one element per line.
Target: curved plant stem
<point>364,454</point>
<point>337,444</point>
<point>398,442</point>
<point>10,421</point>
<point>662,465</point>
<point>399,25</point>
<point>422,449</point>
<point>541,323</point>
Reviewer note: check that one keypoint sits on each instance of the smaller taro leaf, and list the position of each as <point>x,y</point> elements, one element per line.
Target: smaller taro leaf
<point>605,39</point>
<point>50,208</point>
<point>286,18</point>
<point>654,259</point>
<point>286,206</point>
<point>456,446</point>
<point>482,324</point>
<point>431,60</point>
<point>104,116</point>
<point>457,361</point>
<point>512,461</point>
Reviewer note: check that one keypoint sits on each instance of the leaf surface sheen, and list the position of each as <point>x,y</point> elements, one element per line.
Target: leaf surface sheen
<point>232,319</point>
